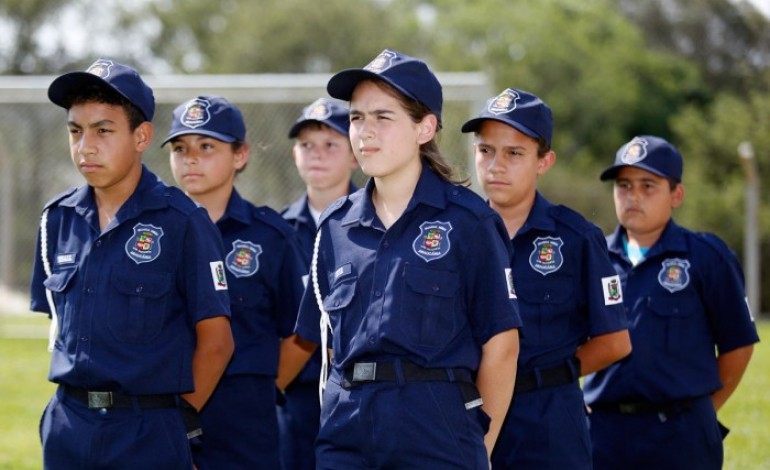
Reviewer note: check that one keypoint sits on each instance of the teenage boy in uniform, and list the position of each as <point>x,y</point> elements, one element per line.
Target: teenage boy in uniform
<point>132,273</point>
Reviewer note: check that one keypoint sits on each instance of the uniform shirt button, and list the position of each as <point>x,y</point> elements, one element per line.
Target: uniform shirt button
<point>547,297</point>
<point>372,340</point>
<point>386,244</point>
<point>98,243</point>
<point>337,303</point>
<point>102,411</point>
<point>436,288</point>
<point>377,293</point>
<point>89,290</point>
<point>139,289</point>
<point>84,339</point>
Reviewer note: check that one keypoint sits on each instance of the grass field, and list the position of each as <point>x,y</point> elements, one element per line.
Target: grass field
<point>24,391</point>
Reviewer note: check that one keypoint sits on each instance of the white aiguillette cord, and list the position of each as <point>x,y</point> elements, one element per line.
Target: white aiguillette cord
<point>53,329</point>
<point>325,323</point>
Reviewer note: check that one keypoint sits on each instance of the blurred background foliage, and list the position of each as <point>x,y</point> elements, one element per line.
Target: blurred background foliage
<point>696,72</point>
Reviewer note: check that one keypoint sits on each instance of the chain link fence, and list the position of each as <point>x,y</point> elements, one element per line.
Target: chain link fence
<point>35,163</point>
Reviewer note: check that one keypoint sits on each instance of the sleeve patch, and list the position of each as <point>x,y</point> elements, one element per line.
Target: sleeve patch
<point>218,275</point>
<point>613,293</point>
<point>509,283</point>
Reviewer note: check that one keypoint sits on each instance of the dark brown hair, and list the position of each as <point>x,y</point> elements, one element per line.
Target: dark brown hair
<point>101,94</point>
<point>429,151</point>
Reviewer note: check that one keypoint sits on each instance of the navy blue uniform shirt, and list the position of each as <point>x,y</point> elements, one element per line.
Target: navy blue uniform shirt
<point>567,288</point>
<point>264,275</point>
<point>432,289</point>
<point>128,298</point>
<point>684,299</point>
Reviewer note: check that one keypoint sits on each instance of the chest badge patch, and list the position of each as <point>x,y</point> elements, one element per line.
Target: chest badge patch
<point>243,260</point>
<point>546,258</point>
<point>144,245</point>
<point>433,241</point>
<point>674,275</point>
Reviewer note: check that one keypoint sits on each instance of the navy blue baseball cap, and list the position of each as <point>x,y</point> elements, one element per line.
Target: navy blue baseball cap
<point>325,112</point>
<point>208,115</point>
<point>106,72</point>
<point>519,109</point>
<point>649,153</point>
<point>408,75</point>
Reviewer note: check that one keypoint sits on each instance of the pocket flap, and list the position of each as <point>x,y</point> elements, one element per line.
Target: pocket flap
<point>145,284</point>
<point>59,281</point>
<point>431,281</point>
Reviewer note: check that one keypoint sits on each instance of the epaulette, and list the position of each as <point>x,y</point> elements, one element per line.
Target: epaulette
<point>271,217</point>
<point>179,200</point>
<point>715,243</point>
<point>572,219</point>
<point>332,208</point>
<point>55,200</point>
<point>466,198</point>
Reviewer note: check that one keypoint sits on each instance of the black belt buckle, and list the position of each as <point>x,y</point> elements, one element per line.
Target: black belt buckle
<point>99,400</point>
<point>364,371</point>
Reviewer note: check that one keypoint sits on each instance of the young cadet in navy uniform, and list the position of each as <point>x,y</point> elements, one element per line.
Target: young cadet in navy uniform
<point>414,274</point>
<point>324,161</point>
<point>685,299</point>
<point>132,272</point>
<point>569,294</point>
<point>208,148</point>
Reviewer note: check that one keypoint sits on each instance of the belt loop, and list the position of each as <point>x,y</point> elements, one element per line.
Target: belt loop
<point>574,366</point>
<point>538,377</point>
<point>450,374</point>
<point>399,370</point>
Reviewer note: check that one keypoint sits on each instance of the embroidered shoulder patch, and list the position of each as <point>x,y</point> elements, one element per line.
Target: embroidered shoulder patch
<point>546,258</point>
<point>674,275</point>
<point>218,275</point>
<point>243,260</point>
<point>613,293</point>
<point>433,241</point>
<point>144,244</point>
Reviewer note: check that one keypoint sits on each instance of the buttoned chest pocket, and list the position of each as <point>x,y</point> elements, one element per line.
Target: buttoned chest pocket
<point>548,308</point>
<point>138,309</point>
<point>427,316</point>
<point>672,323</point>
<point>60,284</point>
<point>340,303</point>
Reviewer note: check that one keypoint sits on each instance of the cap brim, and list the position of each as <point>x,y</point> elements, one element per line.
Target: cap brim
<point>474,124</point>
<point>297,127</point>
<point>64,85</point>
<point>611,173</point>
<point>342,84</point>
<point>223,137</point>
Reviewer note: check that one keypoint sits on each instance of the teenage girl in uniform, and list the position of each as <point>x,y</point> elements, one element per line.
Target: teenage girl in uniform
<point>414,273</point>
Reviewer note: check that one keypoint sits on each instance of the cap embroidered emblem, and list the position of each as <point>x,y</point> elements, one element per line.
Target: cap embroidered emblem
<point>196,113</point>
<point>100,68</point>
<point>635,151</point>
<point>382,62</point>
<point>503,103</point>
<point>320,110</point>
<point>433,241</point>
<point>243,260</point>
<point>546,258</point>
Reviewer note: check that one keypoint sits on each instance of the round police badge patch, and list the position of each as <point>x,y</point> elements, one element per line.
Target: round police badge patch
<point>674,276</point>
<point>243,260</point>
<point>433,241</point>
<point>546,258</point>
<point>144,245</point>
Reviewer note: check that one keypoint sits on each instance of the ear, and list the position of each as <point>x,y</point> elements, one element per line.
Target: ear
<point>241,156</point>
<point>143,136</point>
<point>677,196</point>
<point>427,128</point>
<point>545,162</point>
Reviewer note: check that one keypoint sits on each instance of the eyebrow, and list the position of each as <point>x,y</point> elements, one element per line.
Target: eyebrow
<point>101,123</point>
<point>377,112</point>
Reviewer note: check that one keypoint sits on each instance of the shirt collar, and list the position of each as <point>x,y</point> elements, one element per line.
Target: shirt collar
<point>237,209</point>
<point>672,240</point>
<point>430,190</point>
<point>539,217</point>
